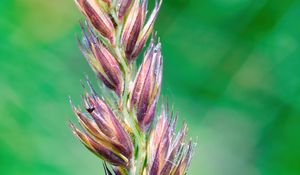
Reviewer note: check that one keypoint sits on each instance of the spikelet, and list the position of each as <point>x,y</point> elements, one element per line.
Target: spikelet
<point>125,130</point>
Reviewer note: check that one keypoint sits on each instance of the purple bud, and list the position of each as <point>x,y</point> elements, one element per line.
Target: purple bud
<point>99,149</point>
<point>102,61</point>
<point>109,124</point>
<point>175,149</point>
<point>146,89</point>
<point>100,20</point>
<point>168,154</point>
<point>147,29</point>
<point>132,29</point>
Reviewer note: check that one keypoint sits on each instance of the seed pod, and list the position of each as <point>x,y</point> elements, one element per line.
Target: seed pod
<point>98,18</point>
<point>102,61</point>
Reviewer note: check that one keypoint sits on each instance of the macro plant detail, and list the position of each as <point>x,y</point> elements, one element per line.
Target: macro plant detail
<point>123,127</point>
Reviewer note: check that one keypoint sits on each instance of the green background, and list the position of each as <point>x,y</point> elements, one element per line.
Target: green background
<point>231,70</point>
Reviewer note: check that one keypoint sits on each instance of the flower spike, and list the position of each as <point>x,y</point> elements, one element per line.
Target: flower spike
<point>122,126</point>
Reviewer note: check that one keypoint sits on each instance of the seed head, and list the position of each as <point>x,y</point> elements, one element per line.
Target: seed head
<point>123,129</point>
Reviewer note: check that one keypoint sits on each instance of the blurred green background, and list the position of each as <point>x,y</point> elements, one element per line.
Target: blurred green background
<point>231,70</point>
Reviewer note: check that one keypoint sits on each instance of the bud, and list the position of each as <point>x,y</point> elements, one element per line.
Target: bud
<point>99,149</point>
<point>108,123</point>
<point>132,28</point>
<point>168,154</point>
<point>134,35</point>
<point>105,132</point>
<point>147,29</point>
<point>146,88</point>
<point>98,18</point>
<point>123,7</point>
<point>102,61</point>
